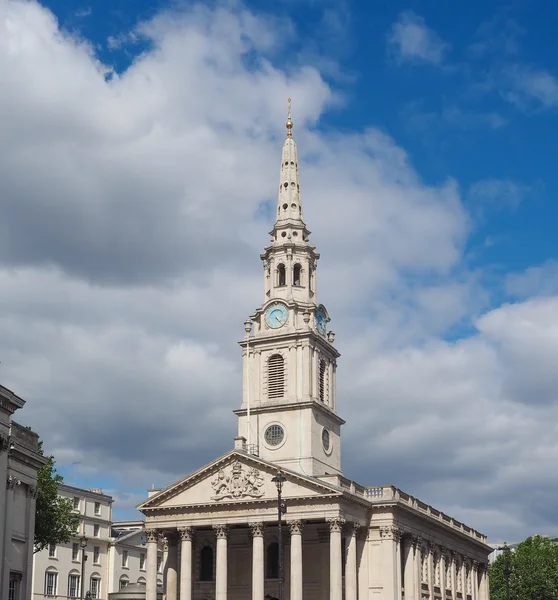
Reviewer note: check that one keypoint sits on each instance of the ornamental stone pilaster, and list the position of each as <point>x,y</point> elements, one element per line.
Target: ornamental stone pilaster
<point>221,533</point>
<point>186,535</point>
<point>258,574</point>
<point>297,583</point>
<point>151,583</point>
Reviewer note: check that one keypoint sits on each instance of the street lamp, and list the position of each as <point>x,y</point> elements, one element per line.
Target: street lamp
<point>279,480</point>
<point>83,546</point>
<point>506,549</point>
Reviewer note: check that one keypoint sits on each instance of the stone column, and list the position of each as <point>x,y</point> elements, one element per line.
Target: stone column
<point>483,590</point>
<point>418,550</point>
<point>335,559</point>
<point>430,570</point>
<point>411,551</point>
<point>221,532</point>
<point>351,574</point>
<point>186,538</point>
<point>453,574</point>
<point>151,582</point>
<point>171,567</point>
<point>296,560</point>
<point>475,581</point>
<point>443,582</point>
<point>258,574</point>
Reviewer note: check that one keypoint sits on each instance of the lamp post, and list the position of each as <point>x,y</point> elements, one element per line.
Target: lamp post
<point>506,549</point>
<point>83,546</point>
<point>279,480</point>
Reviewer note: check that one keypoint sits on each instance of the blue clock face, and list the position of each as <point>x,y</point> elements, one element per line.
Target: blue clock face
<point>321,322</point>
<point>276,316</point>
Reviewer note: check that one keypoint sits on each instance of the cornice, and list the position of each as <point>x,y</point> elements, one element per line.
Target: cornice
<point>291,406</point>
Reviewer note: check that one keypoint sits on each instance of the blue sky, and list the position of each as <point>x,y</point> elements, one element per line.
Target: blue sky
<point>127,223</point>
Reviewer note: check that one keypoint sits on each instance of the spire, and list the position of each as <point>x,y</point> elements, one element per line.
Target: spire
<point>289,207</point>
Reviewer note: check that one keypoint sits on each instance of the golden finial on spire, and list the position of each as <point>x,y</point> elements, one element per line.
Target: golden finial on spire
<point>289,122</point>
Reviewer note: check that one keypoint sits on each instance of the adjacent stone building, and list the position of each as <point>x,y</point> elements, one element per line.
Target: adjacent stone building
<point>19,461</point>
<point>341,539</point>
<point>115,552</point>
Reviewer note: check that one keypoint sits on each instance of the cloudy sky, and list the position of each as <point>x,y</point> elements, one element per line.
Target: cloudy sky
<point>139,157</point>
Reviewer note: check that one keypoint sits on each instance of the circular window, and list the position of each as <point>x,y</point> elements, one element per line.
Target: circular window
<point>274,435</point>
<point>325,439</point>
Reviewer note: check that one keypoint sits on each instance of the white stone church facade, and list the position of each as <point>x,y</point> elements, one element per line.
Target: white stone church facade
<point>341,540</point>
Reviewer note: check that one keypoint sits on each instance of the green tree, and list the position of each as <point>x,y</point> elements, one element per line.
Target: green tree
<point>533,571</point>
<point>55,521</point>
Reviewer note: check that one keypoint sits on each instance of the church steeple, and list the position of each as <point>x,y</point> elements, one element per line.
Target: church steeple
<point>289,413</point>
<point>289,207</point>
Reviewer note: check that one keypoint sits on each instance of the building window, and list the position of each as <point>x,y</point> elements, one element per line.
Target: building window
<point>75,551</point>
<point>51,550</point>
<point>123,582</point>
<point>97,508</point>
<point>73,585</point>
<point>142,562</point>
<point>96,554</point>
<point>281,275</point>
<point>95,586</point>
<point>76,503</point>
<point>275,376</point>
<point>14,586</point>
<point>272,566</point>
<point>274,435</point>
<point>96,530</point>
<point>297,272</point>
<point>159,564</point>
<point>141,581</point>
<point>125,558</point>
<point>206,564</point>
<point>51,583</point>
<point>322,381</point>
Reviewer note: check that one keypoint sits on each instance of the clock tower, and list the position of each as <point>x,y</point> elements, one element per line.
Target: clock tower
<point>288,414</point>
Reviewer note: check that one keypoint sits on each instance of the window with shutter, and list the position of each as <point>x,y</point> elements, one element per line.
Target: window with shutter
<point>322,381</point>
<point>275,376</point>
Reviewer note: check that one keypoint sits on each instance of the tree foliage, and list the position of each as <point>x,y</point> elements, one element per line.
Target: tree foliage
<point>532,568</point>
<point>55,521</point>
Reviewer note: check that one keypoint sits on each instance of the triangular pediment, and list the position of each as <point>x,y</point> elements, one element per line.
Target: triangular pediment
<point>235,477</point>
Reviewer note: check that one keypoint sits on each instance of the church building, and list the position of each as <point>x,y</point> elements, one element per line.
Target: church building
<point>336,539</point>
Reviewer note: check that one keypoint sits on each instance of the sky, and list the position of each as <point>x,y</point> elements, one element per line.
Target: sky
<point>140,148</point>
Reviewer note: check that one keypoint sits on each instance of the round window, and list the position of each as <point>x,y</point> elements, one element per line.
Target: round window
<point>325,439</point>
<point>274,435</point>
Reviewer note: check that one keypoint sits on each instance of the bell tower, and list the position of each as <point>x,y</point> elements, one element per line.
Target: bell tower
<point>289,413</point>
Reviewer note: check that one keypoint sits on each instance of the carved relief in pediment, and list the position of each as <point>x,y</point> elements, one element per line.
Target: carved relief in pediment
<point>237,482</point>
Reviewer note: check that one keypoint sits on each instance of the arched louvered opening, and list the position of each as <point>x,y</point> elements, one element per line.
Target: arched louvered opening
<point>206,564</point>
<point>297,273</point>
<point>281,275</point>
<point>322,381</point>
<point>272,566</point>
<point>275,376</point>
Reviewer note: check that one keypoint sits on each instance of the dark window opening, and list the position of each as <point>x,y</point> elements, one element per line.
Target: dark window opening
<point>297,271</point>
<point>272,568</point>
<point>206,564</point>
<point>281,275</point>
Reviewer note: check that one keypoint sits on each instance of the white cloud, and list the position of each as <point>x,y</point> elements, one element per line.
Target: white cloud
<point>410,39</point>
<point>499,193</point>
<point>527,86</point>
<point>129,242</point>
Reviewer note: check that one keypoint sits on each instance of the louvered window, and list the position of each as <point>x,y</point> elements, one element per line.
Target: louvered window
<point>275,376</point>
<point>322,380</point>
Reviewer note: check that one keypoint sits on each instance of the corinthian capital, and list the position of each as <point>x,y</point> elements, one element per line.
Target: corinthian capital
<point>186,533</point>
<point>257,528</point>
<point>296,527</point>
<point>221,531</point>
<point>336,524</point>
<point>152,535</point>
<point>391,532</point>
